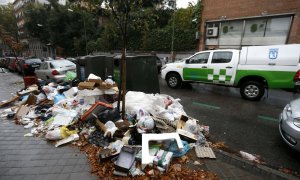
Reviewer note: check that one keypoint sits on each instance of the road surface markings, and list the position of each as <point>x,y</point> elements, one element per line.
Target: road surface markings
<point>267,118</point>
<point>206,105</point>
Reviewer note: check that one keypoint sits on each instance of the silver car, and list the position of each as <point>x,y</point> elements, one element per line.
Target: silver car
<point>289,125</point>
<point>55,69</point>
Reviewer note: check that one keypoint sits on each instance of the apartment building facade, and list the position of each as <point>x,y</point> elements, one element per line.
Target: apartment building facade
<point>237,23</point>
<point>34,48</point>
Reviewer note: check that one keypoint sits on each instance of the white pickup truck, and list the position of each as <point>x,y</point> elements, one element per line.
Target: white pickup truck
<point>252,69</point>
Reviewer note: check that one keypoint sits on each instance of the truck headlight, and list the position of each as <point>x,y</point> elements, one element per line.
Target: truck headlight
<point>297,122</point>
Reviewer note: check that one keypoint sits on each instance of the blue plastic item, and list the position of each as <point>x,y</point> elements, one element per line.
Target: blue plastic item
<point>58,97</point>
<point>176,151</point>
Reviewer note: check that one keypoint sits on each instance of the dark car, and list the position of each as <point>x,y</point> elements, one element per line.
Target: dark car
<point>28,66</point>
<point>2,63</point>
<point>158,64</point>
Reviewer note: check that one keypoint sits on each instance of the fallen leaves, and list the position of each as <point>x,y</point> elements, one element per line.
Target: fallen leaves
<point>177,169</point>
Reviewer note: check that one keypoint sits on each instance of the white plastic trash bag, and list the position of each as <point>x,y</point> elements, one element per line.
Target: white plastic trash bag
<point>54,134</point>
<point>154,104</point>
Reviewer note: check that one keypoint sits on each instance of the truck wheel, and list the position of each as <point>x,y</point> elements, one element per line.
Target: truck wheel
<point>173,80</point>
<point>252,90</point>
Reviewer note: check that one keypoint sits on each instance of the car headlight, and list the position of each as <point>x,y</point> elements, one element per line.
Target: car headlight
<point>163,67</point>
<point>288,109</point>
<point>297,122</point>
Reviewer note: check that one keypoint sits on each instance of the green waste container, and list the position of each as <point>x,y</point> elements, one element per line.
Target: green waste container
<point>141,73</point>
<point>99,65</point>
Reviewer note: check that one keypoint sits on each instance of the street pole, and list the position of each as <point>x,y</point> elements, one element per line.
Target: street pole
<point>173,31</point>
<point>86,50</point>
<point>83,18</point>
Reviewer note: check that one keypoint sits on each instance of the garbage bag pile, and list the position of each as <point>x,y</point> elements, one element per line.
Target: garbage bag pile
<point>152,140</point>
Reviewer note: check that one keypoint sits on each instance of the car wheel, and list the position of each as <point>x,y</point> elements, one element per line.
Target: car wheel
<point>173,80</point>
<point>252,90</point>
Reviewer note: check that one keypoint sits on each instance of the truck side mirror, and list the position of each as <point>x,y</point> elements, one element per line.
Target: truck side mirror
<point>187,61</point>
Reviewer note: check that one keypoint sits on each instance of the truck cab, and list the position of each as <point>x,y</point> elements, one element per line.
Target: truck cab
<point>214,66</point>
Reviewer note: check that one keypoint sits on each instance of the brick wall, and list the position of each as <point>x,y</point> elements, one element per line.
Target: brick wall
<point>214,9</point>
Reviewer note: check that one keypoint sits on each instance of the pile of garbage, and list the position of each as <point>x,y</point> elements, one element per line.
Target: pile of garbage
<point>152,140</point>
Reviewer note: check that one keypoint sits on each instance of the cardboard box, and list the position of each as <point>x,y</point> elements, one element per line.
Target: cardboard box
<point>30,89</point>
<point>185,135</point>
<point>153,149</point>
<point>31,100</point>
<point>126,159</point>
<point>22,111</point>
<point>97,81</point>
<point>104,85</point>
<point>86,85</point>
<point>163,159</point>
<point>106,154</point>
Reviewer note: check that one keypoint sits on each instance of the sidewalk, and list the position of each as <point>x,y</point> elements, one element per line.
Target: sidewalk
<point>34,158</point>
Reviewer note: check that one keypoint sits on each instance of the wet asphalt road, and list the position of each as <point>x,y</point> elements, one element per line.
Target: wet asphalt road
<point>243,125</point>
<point>9,84</point>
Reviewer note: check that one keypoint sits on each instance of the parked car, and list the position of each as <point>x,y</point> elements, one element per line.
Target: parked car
<point>158,64</point>
<point>47,59</point>
<point>12,64</point>
<point>2,63</point>
<point>28,66</point>
<point>71,59</point>
<point>55,69</point>
<point>289,124</point>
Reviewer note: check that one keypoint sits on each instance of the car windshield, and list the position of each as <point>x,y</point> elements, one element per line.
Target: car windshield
<point>33,61</point>
<point>62,63</point>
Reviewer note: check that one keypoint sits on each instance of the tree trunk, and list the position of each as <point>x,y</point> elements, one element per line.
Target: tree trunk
<point>123,81</point>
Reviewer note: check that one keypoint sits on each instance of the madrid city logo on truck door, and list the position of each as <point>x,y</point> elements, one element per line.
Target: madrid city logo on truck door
<point>273,53</point>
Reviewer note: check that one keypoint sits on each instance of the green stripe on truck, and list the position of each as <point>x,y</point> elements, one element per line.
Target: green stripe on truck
<point>275,79</point>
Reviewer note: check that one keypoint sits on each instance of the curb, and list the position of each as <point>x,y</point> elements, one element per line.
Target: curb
<point>254,168</point>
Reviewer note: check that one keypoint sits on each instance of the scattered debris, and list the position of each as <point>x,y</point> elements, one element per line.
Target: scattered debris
<point>197,163</point>
<point>205,152</point>
<point>11,100</point>
<point>151,142</point>
<point>250,157</point>
<point>218,145</point>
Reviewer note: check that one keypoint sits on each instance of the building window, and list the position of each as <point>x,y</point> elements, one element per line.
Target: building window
<point>231,33</point>
<point>250,32</point>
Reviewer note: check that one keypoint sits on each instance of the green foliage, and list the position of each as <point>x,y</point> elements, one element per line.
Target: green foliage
<point>197,13</point>
<point>140,23</point>
<point>62,28</point>
<point>184,17</point>
<point>160,39</point>
<point>8,20</point>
